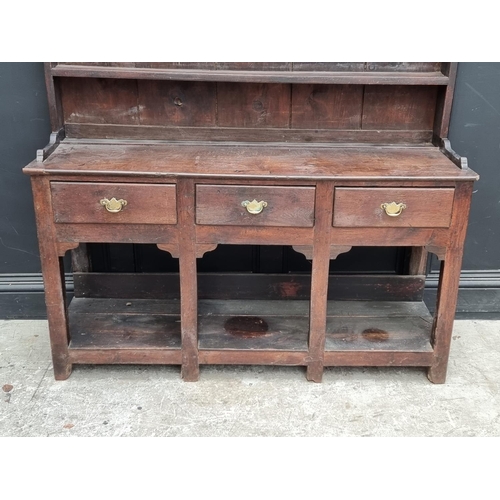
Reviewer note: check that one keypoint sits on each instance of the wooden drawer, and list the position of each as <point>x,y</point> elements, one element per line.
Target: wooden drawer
<point>80,202</point>
<point>362,207</point>
<point>285,206</point>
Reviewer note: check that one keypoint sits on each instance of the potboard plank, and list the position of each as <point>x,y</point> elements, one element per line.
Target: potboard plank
<point>253,332</point>
<point>122,326</point>
<point>385,334</point>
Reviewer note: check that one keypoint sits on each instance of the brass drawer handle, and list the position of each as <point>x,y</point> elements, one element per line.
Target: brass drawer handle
<point>254,207</point>
<point>113,205</point>
<point>393,209</point>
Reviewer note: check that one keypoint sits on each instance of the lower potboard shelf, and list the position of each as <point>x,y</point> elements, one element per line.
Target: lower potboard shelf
<point>360,333</point>
<point>122,324</point>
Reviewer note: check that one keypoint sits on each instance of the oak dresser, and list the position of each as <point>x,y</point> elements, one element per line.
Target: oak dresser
<point>322,157</point>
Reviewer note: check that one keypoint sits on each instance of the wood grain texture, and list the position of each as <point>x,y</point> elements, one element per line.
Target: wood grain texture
<point>307,250</point>
<point>254,235</point>
<point>79,202</point>
<point>418,261</point>
<point>177,104</point>
<point>121,233</point>
<point>410,334</point>
<point>319,280</point>
<point>378,326</point>
<point>270,287</point>
<point>254,76</point>
<point>239,134</point>
<point>99,100</point>
<point>112,324</point>
<point>449,279</point>
<point>80,259</point>
<point>253,105</point>
<point>329,66</point>
<point>403,66</point>
<point>361,207</point>
<point>378,358</point>
<point>326,106</point>
<point>247,357</point>
<point>253,161</point>
<point>53,279</point>
<point>97,356</point>
<point>385,236</point>
<point>282,333</point>
<point>188,282</point>
<point>286,206</point>
<point>171,248</point>
<point>255,66</point>
<point>399,107</point>
<point>444,103</point>
<point>53,98</point>
<point>270,66</point>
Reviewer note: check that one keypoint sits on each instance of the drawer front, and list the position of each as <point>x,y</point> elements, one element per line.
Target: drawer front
<point>393,207</point>
<point>85,202</point>
<point>276,205</point>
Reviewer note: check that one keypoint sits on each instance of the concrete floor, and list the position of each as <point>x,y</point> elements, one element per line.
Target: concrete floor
<point>248,401</point>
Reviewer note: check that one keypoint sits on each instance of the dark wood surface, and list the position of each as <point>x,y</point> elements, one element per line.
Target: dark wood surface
<point>276,333</point>
<point>399,107</point>
<point>272,66</point>
<point>247,161</point>
<point>327,106</point>
<point>448,285</point>
<point>244,109</point>
<point>286,206</point>
<point>361,207</point>
<point>102,131</point>
<point>190,370</point>
<point>319,281</point>
<point>248,286</point>
<point>111,324</point>
<point>263,105</point>
<point>242,75</point>
<point>184,104</point>
<point>53,279</point>
<point>76,202</point>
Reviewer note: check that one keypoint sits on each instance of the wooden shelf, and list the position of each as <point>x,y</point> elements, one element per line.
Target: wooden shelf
<point>378,326</point>
<point>208,160</point>
<point>250,331</point>
<point>96,324</point>
<point>253,325</point>
<point>321,77</point>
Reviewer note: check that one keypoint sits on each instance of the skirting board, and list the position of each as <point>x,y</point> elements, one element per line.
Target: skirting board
<point>21,295</point>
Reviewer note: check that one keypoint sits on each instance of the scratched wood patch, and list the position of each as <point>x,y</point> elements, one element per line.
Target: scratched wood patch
<point>99,100</point>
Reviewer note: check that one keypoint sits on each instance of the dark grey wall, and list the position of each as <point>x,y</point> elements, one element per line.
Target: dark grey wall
<point>24,128</point>
<point>475,133</point>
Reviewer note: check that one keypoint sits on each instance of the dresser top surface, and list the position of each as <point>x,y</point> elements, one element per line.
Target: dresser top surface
<point>297,161</point>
